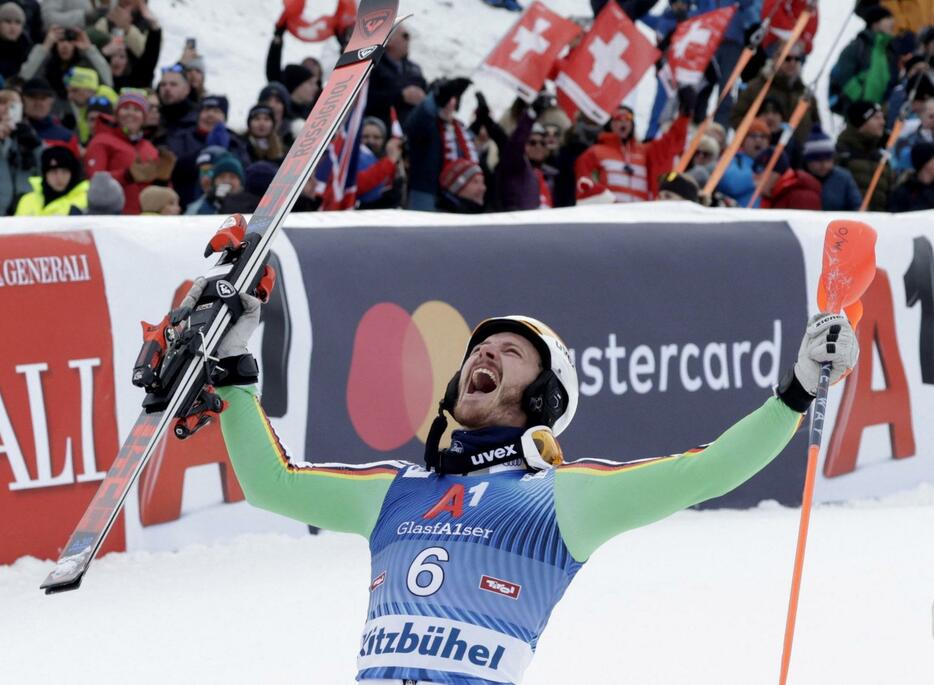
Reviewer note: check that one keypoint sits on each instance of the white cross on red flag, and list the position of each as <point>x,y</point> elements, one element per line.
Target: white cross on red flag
<point>321,28</point>
<point>525,55</point>
<point>694,42</point>
<point>607,64</point>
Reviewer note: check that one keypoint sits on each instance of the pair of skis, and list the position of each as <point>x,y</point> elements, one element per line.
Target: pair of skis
<point>177,382</point>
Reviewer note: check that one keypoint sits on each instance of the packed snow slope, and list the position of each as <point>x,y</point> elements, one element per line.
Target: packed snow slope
<point>449,38</point>
<point>699,598</point>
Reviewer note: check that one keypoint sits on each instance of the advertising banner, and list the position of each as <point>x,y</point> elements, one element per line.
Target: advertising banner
<point>680,323</point>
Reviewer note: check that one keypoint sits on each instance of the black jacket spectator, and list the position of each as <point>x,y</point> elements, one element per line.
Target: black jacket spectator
<point>33,27</point>
<point>394,73</point>
<point>917,191</point>
<point>859,149</point>
<point>15,43</point>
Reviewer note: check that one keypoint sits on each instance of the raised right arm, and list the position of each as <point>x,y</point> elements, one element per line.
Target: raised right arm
<point>339,497</point>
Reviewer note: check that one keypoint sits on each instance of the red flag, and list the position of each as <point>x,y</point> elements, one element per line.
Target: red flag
<point>318,29</point>
<point>784,19</point>
<point>525,55</point>
<point>395,129</point>
<point>608,63</point>
<point>694,42</point>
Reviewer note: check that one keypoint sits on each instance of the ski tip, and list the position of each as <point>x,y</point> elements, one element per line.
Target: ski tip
<point>53,586</point>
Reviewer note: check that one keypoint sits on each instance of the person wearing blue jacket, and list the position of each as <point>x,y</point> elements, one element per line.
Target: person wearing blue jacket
<point>739,181</point>
<point>839,192</point>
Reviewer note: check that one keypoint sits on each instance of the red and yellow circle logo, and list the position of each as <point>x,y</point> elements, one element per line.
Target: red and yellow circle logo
<point>400,366</point>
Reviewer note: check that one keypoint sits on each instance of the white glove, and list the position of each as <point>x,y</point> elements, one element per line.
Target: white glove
<point>234,342</point>
<point>828,338</point>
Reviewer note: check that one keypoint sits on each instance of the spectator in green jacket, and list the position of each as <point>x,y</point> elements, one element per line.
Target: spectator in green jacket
<point>860,147</point>
<point>867,69</point>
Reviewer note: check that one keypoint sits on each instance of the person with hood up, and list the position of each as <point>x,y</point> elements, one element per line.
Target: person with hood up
<point>122,151</point>
<point>628,168</point>
<point>60,191</point>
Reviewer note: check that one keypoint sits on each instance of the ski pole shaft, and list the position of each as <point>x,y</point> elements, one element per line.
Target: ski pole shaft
<point>817,427</point>
<point>880,167</point>
<point>800,110</point>
<point>701,130</point>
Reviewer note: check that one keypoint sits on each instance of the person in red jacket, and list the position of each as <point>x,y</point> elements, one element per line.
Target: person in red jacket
<point>627,168</point>
<point>787,188</point>
<point>122,151</point>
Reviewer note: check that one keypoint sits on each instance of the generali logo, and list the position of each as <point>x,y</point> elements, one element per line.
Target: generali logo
<point>500,587</point>
<point>44,270</point>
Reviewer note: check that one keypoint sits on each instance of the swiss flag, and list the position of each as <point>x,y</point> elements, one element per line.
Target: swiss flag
<point>318,29</point>
<point>607,64</point>
<point>525,56</point>
<point>694,42</point>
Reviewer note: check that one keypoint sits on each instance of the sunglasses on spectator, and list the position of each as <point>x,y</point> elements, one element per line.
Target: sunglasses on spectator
<point>536,142</point>
<point>98,100</point>
<point>175,69</point>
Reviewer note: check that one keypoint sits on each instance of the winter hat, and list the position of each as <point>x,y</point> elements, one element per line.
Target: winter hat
<point>457,173</point>
<point>860,112</point>
<point>758,126</point>
<point>921,154</point>
<point>37,87</point>
<point>217,101</point>
<point>295,75</point>
<point>82,77</point>
<point>276,90</point>
<point>762,159</point>
<point>708,144</point>
<point>374,121</point>
<point>59,157</point>
<point>154,198</point>
<point>227,163</point>
<point>818,146</point>
<point>211,154</point>
<point>875,13</point>
<point>262,109</point>
<point>679,184</point>
<point>133,97</point>
<point>105,195</point>
<point>100,103</point>
<point>10,11</point>
<point>926,36</point>
<point>258,176</point>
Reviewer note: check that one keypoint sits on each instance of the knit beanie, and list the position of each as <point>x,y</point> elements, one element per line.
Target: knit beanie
<point>295,75</point>
<point>762,159</point>
<point>59,157</point>
<point>216,101</point>
<point>260,109</point>
<point>105,195</point>
<point>10,11</point>
<point>709,145</point>
<point>210,154</point>
<point>133,97</point>
<point>921,154</point>
<point>82,77</point>
<point>227,163</point>
<point>258,176</point>
<point>679,184</point>
<point>860,112</point>
<point>154,198</point>
<point>457,173</point>
<point>377,122</point>
<point>818,146</point>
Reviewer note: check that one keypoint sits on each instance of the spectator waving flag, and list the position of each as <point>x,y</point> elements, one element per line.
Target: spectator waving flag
<point>694,43</point>
<point>322,28</point>
<point>336,174</point>
<point>607,64</point>
<point>525,55</point>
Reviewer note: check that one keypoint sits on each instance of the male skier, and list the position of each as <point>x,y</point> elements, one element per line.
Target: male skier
<point>470,555</point>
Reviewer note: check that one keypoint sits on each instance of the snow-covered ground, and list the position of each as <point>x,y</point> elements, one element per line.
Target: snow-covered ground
<point>449,38</point>
<point>699,598</point>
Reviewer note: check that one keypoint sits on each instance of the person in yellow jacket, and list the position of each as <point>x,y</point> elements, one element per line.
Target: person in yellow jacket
<point>60,191</point>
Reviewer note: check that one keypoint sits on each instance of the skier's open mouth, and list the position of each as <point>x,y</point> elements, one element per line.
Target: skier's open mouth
<point>482,381</point>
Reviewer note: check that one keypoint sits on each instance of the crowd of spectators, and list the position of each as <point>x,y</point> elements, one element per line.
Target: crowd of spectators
<point>90,123</point>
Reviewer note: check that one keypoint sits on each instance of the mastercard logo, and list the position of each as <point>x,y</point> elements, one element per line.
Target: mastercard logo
<point>400,366</point>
